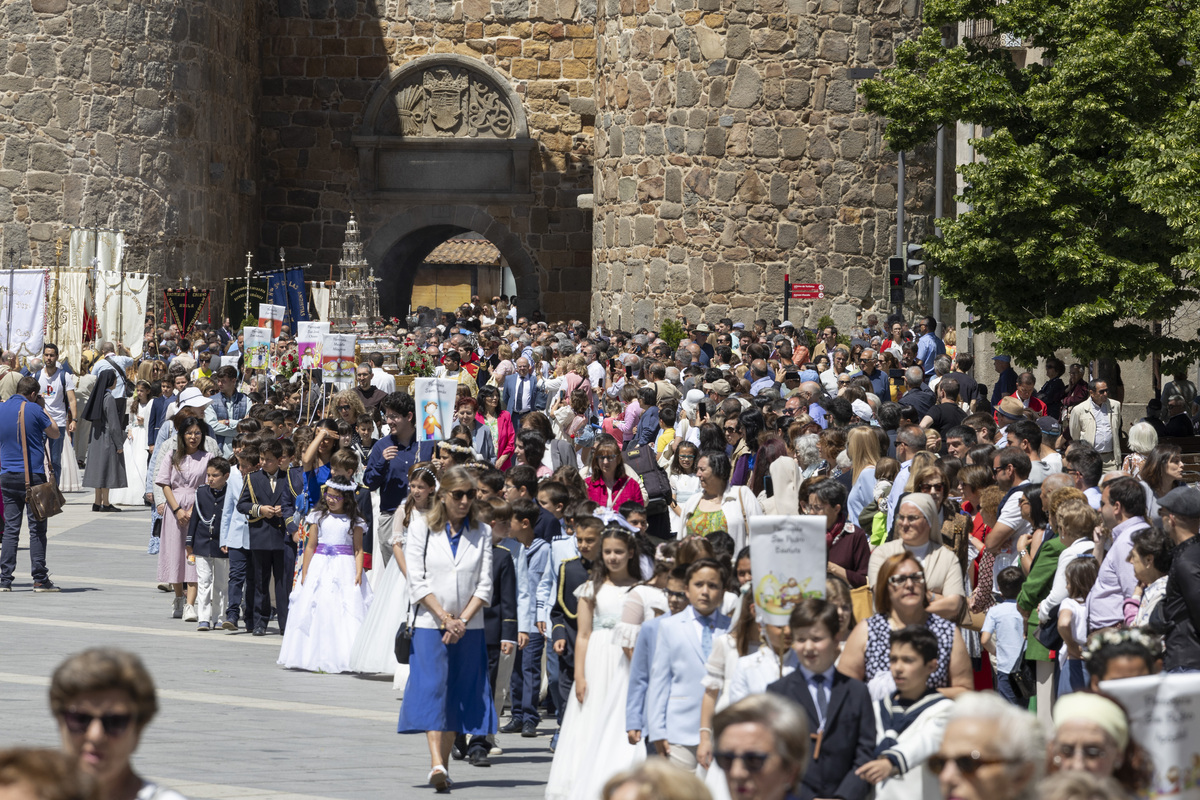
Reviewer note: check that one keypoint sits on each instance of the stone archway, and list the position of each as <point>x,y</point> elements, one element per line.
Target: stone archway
<point>399,245</point>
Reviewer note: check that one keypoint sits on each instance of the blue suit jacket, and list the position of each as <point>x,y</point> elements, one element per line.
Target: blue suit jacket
<point>675,687</point>
<point>647,427</point>
<point>639,675</point>
<point>537,400</point>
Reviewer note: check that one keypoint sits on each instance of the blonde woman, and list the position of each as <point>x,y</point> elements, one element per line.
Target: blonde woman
<point>863,446</point>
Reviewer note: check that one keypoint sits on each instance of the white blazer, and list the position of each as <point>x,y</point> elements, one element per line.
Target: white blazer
<point>452,578</point>
<point>738,503</point>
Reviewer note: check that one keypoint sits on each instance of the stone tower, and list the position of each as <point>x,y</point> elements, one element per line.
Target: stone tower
<point>731,148</point>
<point>135,116</point>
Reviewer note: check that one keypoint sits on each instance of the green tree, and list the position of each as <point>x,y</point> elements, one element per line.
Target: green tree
<point>1083,226</point>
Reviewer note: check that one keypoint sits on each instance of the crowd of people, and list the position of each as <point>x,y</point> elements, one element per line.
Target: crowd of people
<point>578,546</point>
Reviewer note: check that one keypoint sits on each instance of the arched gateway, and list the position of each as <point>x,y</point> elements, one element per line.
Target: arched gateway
<point>444,149</point>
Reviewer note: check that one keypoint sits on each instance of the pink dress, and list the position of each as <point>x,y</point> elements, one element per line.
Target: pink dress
<point>184,481</point>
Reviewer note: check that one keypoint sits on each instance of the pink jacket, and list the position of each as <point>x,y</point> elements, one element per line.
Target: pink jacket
<point>625,490</point>
<point>506,434</point>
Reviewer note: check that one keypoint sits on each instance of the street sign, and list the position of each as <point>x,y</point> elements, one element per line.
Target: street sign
<point>808,291</point>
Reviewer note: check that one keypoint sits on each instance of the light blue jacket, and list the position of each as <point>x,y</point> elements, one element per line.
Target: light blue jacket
<point>639,675</point>
<point>235,530</point>
<point>561,549</point>
<point>676,689</point>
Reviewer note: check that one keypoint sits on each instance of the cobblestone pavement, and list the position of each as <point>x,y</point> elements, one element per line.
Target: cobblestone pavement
<point>232,724</point>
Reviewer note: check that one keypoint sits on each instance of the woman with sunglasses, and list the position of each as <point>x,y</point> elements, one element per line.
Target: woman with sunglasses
<point>609,483</point>
<point>762,746</point>
<point>991,750</point>
<point>102,700</point>
<point>449,559</point>
<point>901,600</point>
<point>1091,734</point>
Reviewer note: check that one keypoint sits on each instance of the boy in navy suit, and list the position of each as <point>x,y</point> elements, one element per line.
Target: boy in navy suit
<point>839,708</point>
<point>268,505</point>
<point>685,642</point>
<point>204,546</point>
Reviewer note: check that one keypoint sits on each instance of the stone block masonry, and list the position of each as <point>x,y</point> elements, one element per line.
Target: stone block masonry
<point>731,148</point>
<point>130,115</point>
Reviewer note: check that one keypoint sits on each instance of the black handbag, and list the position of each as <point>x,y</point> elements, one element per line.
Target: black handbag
<point>1022,681</point>
<point>403,645</point>
<point>1047,632</point>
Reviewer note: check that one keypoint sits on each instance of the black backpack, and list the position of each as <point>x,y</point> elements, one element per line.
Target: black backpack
<point>658,487</point>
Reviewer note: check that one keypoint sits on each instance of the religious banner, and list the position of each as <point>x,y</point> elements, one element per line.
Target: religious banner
<point>309,337</point>
<point>184,307</point>
<point>271,316</point>
<point>121,311</point>
<point>297,297</point>
<point>256,342</point>
<point>337,357</point>
<point>320,298</point>
<point>434,399</point>
<point>788,560</point>
<point>22,311</point>
<point>64,313</point>
<point>1164,718</point>
<point>237,308</point>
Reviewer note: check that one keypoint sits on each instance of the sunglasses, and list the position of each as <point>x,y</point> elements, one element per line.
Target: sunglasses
<point>114,724</point>
<point>730,430</point>
<point>967,765</point>
<point>459,494</point>
<point>752,761</point>
<point>675,595</point>
<point>928,487</point>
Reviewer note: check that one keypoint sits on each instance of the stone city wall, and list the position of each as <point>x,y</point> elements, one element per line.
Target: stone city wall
<point>732,148</point>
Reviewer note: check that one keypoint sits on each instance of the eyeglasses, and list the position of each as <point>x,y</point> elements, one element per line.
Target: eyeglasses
<point>729,431</point>
<point>900,580</point>
<point>675,595</point>
<point>114,724</point>
<point>459,494</point>
<point>752,761</point>
<point>687,457</point>
<point>343,408</point>
<point>1091,752</point>
<point>967,765</point>
<point>995,470</point>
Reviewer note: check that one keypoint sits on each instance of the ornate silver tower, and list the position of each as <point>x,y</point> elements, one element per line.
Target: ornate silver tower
<point>355,295</point>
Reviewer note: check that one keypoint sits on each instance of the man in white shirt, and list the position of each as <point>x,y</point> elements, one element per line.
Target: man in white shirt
<point>58,390</point>
<point>119,364</point>
<point>380,379</point>
<point>1011,467</point>
<point>1097,421</point>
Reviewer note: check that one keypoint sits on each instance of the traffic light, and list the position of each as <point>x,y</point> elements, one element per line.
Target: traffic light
<point>896,279</point>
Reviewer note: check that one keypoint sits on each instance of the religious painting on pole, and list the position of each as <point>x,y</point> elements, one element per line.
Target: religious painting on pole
<point>309,336</point>
<point>257,344</point>
<point>788,560</point>
<point>434,399</point>
<point>1164,718</point>
<point>271,316</point>
<point>337,357</point>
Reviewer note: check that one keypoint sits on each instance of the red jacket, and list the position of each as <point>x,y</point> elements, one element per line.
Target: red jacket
<point>1034,404</point>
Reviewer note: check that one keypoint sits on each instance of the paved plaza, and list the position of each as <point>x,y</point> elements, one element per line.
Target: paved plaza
<point>232,724</point>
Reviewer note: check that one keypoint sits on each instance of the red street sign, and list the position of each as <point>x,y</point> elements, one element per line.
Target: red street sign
<point>801,294</point>
<point>808,287</point>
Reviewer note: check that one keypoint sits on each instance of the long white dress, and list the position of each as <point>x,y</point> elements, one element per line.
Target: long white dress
<point>374,650</point>
<point>70,479</point>
<point>326,611</point>
<point>135,462</point>
<point>594,745</point>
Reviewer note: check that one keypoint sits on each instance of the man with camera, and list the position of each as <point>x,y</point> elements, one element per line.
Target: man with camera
<point>27,402</point>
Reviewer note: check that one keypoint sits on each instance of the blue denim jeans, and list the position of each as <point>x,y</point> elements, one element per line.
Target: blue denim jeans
<point>12,487</point>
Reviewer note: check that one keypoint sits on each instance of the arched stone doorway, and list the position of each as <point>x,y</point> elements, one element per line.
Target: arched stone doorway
<point>400,245</point>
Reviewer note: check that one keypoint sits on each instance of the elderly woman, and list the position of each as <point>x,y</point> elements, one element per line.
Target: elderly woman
<point>1142,439</point>
<point>449,558</point>
<point>849,551</point>
<point>609,483</point>
<point>103,699</point>
<point>762,744</point>
<point>901,600</point>
<point>1091,734</point>
<point>918,525</point>
<point>991,750</point>
<point>718,506</point>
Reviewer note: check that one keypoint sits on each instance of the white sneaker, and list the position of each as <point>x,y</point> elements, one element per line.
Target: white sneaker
<point>177,608</point>
<point>189,614</point>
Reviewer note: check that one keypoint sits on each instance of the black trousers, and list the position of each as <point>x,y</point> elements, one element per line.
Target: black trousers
<point>241,574</point>
<point>276,566</point>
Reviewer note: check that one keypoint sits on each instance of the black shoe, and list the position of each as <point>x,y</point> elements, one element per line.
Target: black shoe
<point>514,726</point>
<point>111,508</point>
<point>96,507</point>
<point>529,730</point>
<point>44,586</point>
<point>459,751</point>
<point>6,586</point>
<point>230,625</point>
<point>479,758</point>
<point>260,630</point>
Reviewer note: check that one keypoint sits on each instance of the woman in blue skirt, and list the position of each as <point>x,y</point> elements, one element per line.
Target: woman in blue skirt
<point>449,557</point>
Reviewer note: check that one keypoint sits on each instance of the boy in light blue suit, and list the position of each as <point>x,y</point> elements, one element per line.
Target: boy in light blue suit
<point>643,658</point>
<point>684,644</point>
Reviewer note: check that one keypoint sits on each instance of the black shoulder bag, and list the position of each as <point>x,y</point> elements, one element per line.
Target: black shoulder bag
<point>404,634</point>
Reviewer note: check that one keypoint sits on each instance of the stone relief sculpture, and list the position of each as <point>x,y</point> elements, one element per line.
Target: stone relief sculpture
<point>447,101</point>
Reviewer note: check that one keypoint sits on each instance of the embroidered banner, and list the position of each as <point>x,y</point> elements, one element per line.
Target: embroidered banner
<point>121,314</point>
<point>184,307</point>
<point>68,297</point>
<point>236,306</point>
<point>22,311</point>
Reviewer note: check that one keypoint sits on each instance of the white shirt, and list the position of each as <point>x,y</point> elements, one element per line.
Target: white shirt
<point>1104,434</point>
<point>1010,515</point>
<point>54,391</point>
<point>596,375</point>
<point>382,381</point>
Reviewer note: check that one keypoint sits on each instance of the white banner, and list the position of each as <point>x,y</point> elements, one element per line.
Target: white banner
<point>121,308</point>
<point>1164,718</point>
<point>271,316</point>
<point>434,399</point>
<point>309,337</point>
<point>22,311</point>
<point>256,343</point>
<point>787,560</point>
<point>320,298</point>
<point>64,314</point>
<point>337,357</point>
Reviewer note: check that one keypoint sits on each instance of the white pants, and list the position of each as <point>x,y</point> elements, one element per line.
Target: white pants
<point>1045,691</point>
<point>684,757</point>
<point>212,589</point>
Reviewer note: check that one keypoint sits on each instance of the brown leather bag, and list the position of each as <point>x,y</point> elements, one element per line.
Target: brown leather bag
<point>43,500</point>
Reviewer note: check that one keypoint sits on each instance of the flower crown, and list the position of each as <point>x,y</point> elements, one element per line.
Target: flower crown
<point>341,487</point>
<point>1103,639</point>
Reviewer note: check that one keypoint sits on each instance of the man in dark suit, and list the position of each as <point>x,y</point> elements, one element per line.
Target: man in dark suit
<point>839,708</point>
<point>521,392</point>
<point>500,633</point>
<point>268,505</point>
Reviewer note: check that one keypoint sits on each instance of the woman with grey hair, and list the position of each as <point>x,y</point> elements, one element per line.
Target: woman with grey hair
<point>1142,439</point>
<point>991,750</point>
<point>762,745</point>
<point>808,454</point>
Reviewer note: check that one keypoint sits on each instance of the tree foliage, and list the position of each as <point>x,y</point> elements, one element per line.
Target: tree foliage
<point>1084,220</point>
